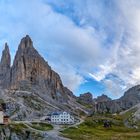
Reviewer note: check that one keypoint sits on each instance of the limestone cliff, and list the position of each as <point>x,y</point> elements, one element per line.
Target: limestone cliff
<point>5,67</point>
<point>130,98</point>
<point>85,98</point>
<point>31,72</point>
<point>31,76</point>
<point>102,98</point>
<point>29,68</point>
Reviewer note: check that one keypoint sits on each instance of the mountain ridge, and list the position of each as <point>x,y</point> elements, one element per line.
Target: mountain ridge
<point>130,98</point>
<point>30,68</point>
<point>31,73</point>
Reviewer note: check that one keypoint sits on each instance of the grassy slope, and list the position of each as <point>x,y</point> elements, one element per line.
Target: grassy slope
<point>42,126</point>
<point>20,129</point>
<point>92,129</point>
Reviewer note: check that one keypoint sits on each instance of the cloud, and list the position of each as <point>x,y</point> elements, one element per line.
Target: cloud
<point>103,71</point>
<point>69,75</point>
<point>80,39</point>
<point>126,64</point>
<point>114,87</point>
<point>55,35</point>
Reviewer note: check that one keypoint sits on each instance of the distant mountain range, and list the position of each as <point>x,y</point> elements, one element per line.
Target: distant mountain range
<point>104,104</point>
<point>31,89</point>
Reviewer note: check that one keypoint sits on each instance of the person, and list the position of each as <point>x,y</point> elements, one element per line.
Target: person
<point>107,124</point>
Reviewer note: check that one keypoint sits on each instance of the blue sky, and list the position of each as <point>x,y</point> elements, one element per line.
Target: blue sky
<point>94,45</point>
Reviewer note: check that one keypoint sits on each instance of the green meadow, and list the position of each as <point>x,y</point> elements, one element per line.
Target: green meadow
<point>93,129</point>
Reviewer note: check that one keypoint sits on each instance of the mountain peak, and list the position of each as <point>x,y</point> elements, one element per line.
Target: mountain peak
<point>5,65</point>
<point>32,75</point>
<point>6,47</point>
<point>6,58</point>
<point>86,98</point>
<point>26,42</point>
<point>103,98</point>
<point>30,70</point>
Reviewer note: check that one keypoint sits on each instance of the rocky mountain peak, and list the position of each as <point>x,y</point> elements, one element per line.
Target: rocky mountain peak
<point>28,67</point>
<point>133,91</point>
<point>26,42</point>
<point>130,98</point>
<point>103,98</point>
<point>86,98</point>
<point>5,67</point>
<point>6,58</point>
<point>6,47</point>
<point>33,84</point>
<point>31,72</point>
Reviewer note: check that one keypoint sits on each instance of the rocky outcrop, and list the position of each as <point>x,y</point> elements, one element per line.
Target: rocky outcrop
<point>85,98</point>
<point>104,104</point>
<point>107,107</point>
<point>102,98</point>
<point>6,59</point>
<point>31,72</point>
<point>132,117</point>
<point>5,67</point>
<point>30,85</point>
<point>130,99</point>
<point>19,132</point>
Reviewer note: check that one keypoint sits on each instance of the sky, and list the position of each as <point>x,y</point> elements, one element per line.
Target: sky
<point>94,45</point>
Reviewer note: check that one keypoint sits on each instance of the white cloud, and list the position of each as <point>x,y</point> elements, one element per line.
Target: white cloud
<point>93,38</point>
<point>127,66</point>
<point>56,36</point>
<point>69,75</point>
<point>103,71</point>
<point>114,87</point>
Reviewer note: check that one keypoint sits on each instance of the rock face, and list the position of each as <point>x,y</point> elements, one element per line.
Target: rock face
<point>30,88</point>
<point>19,132</point>
<point>86,98</point>
<point>107,107</point>
<point>130,99</point>
<point>132,120</point>
<point>104,104</point>
<point>5,67</point>
<point>102,98</point>
<point>30,71</point>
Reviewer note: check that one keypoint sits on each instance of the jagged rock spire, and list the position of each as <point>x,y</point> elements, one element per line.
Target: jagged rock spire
<point>5,59</point>
<point>5,66</point>
<point>30,71</point>
<point>26,42</point>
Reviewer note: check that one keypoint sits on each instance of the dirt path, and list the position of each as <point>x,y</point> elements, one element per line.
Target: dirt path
<point>54,134</point>
<point>48,135</point>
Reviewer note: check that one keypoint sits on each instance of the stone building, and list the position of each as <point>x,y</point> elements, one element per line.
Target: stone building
<point>62,118</point>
